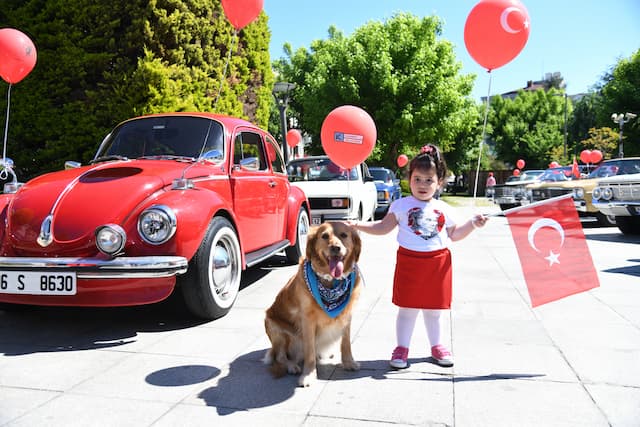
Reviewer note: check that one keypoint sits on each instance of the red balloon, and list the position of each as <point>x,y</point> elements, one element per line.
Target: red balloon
<point>293,137</point>
<point>585,156</point>
<point>496,31</point>
<point>516,172</point>
<point>520,164</point>
<point>554,164</point>
<point>17,55</point>
<point>596,156</point>
<point>402,160</point>
<point>240,13</point>
<point>348,135</point>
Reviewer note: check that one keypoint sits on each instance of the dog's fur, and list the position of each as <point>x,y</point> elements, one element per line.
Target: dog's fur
<point>297,326</point>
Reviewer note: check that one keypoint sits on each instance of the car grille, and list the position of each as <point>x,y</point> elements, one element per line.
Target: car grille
<point>324,203</point>
<point>626,191</point>
<point>505,191</point>
<point>547,193</point>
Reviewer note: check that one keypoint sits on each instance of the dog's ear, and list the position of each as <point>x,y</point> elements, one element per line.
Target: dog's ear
<point>357,244</point>
<point>312,237</point>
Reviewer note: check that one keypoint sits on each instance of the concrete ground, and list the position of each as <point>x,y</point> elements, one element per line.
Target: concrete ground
<point>573,362</point>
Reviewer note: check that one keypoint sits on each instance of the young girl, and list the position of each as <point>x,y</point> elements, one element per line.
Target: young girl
<point>422,280</point>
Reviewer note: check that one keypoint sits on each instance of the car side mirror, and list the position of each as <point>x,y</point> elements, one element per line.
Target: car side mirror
<point>368,178</point>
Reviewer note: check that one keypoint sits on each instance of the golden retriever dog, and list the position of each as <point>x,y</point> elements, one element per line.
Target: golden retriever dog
<point>313,310</point>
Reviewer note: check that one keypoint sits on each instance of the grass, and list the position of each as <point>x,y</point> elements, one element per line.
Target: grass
<point>461,201</point>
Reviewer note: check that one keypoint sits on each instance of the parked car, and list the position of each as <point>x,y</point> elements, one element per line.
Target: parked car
<point>548,185</point>
<point>619,196</point>
<point>333,192</point>
<point>582,189</point>
<point>181,201</point>
<point>388,187</point>
<point>513,192</point>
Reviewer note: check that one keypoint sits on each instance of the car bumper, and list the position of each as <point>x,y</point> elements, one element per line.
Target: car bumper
<point>123,281</point>
<point>618,209</point>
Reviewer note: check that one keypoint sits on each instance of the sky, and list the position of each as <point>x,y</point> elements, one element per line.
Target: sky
<point>580,39</point>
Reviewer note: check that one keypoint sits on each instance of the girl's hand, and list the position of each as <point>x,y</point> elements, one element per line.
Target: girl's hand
<point>479,220</point>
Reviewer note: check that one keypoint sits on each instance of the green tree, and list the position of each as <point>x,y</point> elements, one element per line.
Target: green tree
<point>620,93</point>
<point>399,71</point>
<point>528,127</point>
<point>604,139</point>
<point>103,61</point>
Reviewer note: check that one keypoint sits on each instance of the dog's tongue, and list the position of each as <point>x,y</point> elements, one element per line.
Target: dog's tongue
<point>336,266</point>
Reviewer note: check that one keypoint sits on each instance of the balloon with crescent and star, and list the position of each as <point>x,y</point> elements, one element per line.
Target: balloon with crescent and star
<point>496,31</point>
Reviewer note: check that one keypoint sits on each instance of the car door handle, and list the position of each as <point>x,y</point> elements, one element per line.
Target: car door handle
<point>272,184</point>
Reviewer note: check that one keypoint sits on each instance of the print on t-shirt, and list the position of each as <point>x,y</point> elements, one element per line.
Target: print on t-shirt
<point>425,224</point>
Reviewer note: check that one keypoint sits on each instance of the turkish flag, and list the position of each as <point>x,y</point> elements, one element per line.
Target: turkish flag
<point>575,170</point>
<point>553,251</point>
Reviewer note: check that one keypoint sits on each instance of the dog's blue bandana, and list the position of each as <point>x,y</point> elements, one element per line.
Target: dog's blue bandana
<point>332,300</point>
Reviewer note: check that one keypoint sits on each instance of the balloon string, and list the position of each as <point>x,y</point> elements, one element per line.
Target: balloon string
<point>3,172</point>
<point>484,129</point>
<point>226,65</point>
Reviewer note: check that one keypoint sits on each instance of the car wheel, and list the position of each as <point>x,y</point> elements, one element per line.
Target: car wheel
<point>212,282</point>
<point>628,224</point>
<point>606,220</point>
<point>295,251</point>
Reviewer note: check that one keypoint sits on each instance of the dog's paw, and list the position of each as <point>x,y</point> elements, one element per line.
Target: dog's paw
<point>350,365</point>
<point>293,368</point>
<point>306,380</point>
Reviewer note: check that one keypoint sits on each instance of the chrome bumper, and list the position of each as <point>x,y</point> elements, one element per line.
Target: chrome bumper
<point>94,268</point>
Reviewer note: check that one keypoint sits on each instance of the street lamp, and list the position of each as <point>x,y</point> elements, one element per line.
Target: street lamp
<point>621,119</point>
<point>281,94</point>
<point>565,123</point>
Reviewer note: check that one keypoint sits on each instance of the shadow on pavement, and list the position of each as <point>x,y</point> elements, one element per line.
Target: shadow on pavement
<point>249,384</point>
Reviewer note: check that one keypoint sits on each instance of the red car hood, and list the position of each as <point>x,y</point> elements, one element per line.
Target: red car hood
<point>80,200</point>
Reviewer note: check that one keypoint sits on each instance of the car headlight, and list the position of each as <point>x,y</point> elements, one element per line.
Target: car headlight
<point>110,239</point>
<point>341,202</point>
<point>157,224</point>
<point>607,193</point>
<point>597,193</point>
<point>578,193</point>
<point>383,195</point>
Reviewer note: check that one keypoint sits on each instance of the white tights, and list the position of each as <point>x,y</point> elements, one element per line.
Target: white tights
<point>406,321</point>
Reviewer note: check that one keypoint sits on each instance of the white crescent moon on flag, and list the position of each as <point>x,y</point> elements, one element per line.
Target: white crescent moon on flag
<point>504,19</point>
<point>544,222</point>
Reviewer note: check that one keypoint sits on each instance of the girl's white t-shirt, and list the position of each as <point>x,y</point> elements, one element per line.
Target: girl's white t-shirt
<point>422,226</point>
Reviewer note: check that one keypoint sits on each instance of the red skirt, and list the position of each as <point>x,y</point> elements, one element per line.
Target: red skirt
<point>423,279</point>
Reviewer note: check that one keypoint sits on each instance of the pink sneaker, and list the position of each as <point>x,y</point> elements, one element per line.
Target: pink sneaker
<point>399,357</point>
<point>442,355</point>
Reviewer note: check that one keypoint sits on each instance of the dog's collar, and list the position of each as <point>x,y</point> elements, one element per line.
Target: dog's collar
<point>332,300</point>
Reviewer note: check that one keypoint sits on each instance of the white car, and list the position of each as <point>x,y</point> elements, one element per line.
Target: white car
<point>333,193</point>
<point>619,196</point>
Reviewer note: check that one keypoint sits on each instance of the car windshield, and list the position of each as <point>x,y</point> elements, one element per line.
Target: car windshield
<point>616,167</point>
<point>165,136</point>
<point>529,175</point>
<point>318,170</point>
<point>380,174</point>
<point>556,174</point>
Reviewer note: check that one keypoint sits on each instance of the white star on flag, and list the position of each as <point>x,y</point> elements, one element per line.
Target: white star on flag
<point>552,258</point>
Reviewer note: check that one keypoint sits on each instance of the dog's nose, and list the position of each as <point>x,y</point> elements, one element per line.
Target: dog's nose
<point>334,249</point>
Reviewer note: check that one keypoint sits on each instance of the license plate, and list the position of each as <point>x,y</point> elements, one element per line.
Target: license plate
<point>36,283</point>
<point>316,220</point>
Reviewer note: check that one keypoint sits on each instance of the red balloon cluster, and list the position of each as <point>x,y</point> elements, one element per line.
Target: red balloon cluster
<point>402,160</point>
<point>588,156</point>
<point>293,137</point>
<point>348,135</point>
<point>241,13</point>
<point>520,164</point>
<point>496,31</point>
<point>17,55</point>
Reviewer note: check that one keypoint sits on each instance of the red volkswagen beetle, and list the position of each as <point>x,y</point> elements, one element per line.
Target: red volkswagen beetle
<point>181,200</point>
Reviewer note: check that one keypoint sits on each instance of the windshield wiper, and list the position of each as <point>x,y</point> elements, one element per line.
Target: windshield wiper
<point>107,158</point>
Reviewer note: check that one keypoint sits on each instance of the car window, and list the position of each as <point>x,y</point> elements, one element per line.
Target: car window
<point>163,136</point>
<point>248,151</point>
<point>314,169</point>
<point>380,174</point>
<point>275,156</point>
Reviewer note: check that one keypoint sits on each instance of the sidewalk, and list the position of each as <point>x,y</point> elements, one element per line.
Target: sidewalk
<point>573,362</point>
